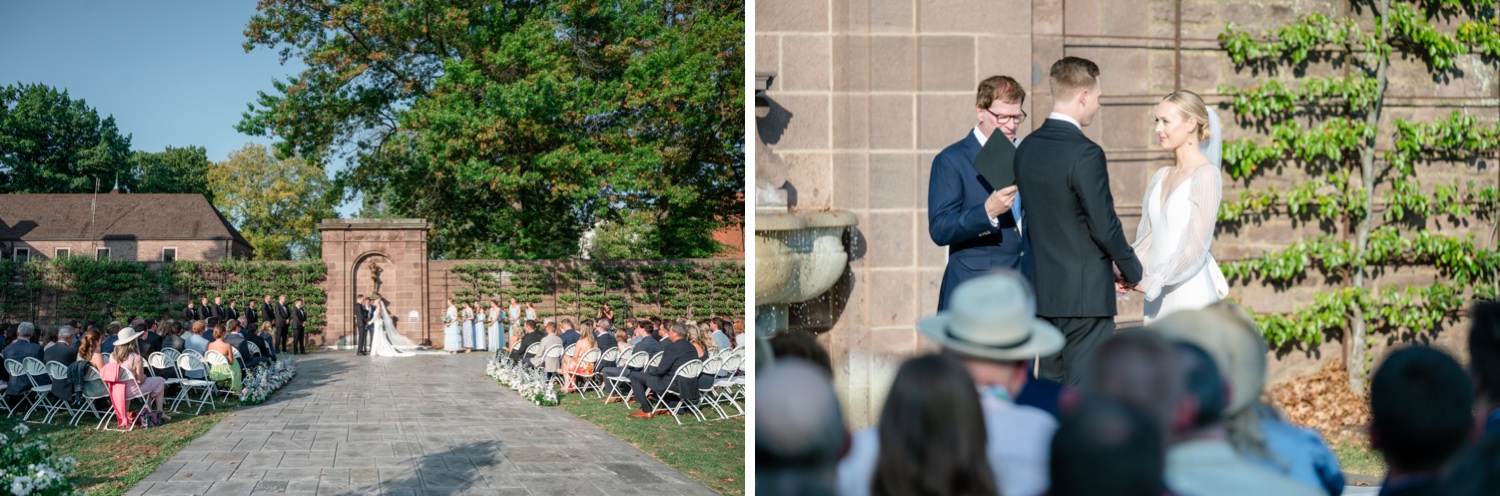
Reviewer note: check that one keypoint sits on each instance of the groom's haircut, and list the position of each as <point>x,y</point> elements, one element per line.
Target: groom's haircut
<point>1071,75</point>
<point>999,88</point>
<point>1420,408</point>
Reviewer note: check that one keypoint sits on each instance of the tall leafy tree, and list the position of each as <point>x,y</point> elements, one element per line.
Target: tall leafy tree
<point>276,203</point>
<point>51,143</point>
<point>174,170</point>
<point>515,125</point>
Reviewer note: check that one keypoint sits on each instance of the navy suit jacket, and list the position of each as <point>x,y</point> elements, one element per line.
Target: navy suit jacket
<point>18,351</point>
<point>956,219</point>
<point>570,337</point>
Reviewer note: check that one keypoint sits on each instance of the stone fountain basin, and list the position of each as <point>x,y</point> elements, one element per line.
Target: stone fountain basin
<point>798,255</point>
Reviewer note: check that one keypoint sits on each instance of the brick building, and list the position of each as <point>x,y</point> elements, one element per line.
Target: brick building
<point>133,227</point>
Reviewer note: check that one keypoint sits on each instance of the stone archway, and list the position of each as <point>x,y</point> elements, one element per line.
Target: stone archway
<point>352,248</point>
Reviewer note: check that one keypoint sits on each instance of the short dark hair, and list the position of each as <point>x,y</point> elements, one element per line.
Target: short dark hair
<point>1072,74</point>
<point>1484,348</point>
<point>1421,404</point>
<point>1204,382</point>
<point>801,344</point>
<point>1107,447</point>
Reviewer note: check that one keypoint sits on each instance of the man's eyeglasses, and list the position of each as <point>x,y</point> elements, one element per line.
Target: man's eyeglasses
<point>1008,118</point>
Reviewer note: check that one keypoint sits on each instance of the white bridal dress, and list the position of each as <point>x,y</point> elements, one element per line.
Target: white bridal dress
<point>1175,234</point>
<point>386,342</point>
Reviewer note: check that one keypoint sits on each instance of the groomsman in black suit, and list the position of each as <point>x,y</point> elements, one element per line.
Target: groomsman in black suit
<point>219,311</point>
<point>282,316</point>
<point>230,312</point>
<point>189,314</point>
<point>1082,253</point>
<point>206,311</point>
<point>299,326</point>
<point>252,318</point>
<point>361,322</point>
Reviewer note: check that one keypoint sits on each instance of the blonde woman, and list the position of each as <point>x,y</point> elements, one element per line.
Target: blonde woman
<point>126,355</point>
<point>573,364</point>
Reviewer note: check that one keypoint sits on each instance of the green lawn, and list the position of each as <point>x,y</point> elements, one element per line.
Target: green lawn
<point>109,463</point>
<point>712,452</point>
<point>1357,458</point>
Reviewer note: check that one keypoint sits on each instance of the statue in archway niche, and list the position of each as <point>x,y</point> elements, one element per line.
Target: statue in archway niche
<point>375,271</point>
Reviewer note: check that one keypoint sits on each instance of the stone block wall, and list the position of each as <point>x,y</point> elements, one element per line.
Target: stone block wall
<point>866,92</point>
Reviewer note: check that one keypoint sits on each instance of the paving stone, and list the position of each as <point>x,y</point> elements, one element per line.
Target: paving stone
<point>407,426</point>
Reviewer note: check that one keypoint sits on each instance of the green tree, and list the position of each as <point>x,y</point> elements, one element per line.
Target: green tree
<point>627,238</point>
<point>50,143</point>
<point>1346,172</point>
<point>515,126</point>
<point>276,203</point>
<point>174,170</point>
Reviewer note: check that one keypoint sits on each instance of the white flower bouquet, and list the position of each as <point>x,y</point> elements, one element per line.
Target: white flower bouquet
<point>30,469</point>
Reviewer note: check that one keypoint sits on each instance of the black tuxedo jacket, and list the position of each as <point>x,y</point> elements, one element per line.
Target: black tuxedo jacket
<point>361,317</point>
<point>173,342</point>
<point>205,312</point>
<point>268,312</point>
<point>219,311</point>
<point>61,353</point>
<point>1075,236</point>
<point>149,343</point>
<point>527,340</point>
<point>251,317</point>
<point>231,313</point>
<point>674,354</point>
<point>189,314</point>
<point>298,317</point>
<point>281,315</point>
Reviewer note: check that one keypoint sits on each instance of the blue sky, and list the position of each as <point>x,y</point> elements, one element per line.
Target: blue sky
<point>170,72</point>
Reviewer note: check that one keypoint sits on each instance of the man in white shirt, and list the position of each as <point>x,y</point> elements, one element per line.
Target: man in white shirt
<point>989,327</point>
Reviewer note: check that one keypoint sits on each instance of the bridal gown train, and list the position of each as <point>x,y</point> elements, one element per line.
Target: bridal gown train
<point>386,342</point>
<point>1173,241</point>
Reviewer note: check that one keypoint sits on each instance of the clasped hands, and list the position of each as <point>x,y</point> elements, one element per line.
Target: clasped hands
<point>1000,201</point>
<point>1122,286</point>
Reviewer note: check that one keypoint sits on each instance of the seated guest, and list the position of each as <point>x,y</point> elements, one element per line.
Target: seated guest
<point>646,339</point>
<point>550,365</point>
<point>173,339</point>
<point>1484,365</point>
<point>739,333</point>
<point>233,336</point>
<point>111,334</point>
<point>721,339</point>
<point>1260,434</point>
<point>20,349</point>
<point>702,343</point>
<point>1476,472</point>
<point>88,347</point>
<point>604,338</point>
<point>47,339</point>
<point>800,433</point>
<point>635,335</point>
<point>1200,459</point>
<point>252,337</point>
<point>60,351</point>
<point>194,339</point>
<point>267,336</point>
<point>531,336</point>
<point>150,341</point>
<point>645,343</point>
<point>574,365</point>
<point>931,437</point>
<point>656,379</point>
<point>1107,447</point>
<point>801,344</point>
<point>1421,404</point>
<point>208,328</point>
<point>224,372</point>
<point>569,334</point>
<point>153,388</point>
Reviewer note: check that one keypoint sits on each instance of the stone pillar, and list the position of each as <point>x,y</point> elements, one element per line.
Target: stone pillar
<point>351,247</point>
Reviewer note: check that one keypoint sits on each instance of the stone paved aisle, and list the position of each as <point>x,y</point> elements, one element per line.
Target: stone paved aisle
<point>352,425</point>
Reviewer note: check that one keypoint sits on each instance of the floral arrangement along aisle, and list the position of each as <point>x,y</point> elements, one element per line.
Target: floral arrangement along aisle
<point>266,380</point>
<point>30,469</point>
<point>530,384</point>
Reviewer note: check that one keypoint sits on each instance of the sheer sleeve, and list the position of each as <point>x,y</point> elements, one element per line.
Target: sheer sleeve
<point>1192,252</point>
<point>1143,230</point>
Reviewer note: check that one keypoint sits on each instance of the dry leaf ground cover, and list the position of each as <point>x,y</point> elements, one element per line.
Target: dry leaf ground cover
<point>1323,401</point>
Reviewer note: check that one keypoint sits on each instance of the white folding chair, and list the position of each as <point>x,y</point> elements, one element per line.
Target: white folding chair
<point>17,372</point>
<point>611,355</point>
<point>128,378</point>
<point>41,393</point>
<point>636,360</point>
<point>525,362</point>
<point>59,374</point>
<point>214,358</point>
<point>89,401</point>
<point>686,377</point>
<point>590,357</point>
<point>158,360</point>
<point>554,351</point>
<point>707,395</point>
<point>724,385</point>
<point>171,358</point>
<point>192,366</point>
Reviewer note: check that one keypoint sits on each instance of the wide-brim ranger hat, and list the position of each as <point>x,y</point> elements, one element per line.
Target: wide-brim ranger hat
<point>127,335</point>
<point>993,317</point>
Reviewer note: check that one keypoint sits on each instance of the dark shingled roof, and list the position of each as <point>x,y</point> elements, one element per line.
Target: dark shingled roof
<point>60,217</point>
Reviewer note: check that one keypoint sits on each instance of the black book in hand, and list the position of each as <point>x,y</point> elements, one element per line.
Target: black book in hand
<point>996,162</point>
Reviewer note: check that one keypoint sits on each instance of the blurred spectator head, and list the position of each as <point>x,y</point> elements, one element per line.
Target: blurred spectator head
<point>932,432</point>
<point>990,324</point>
<point>26,330</point>
<point>801,344</point>
<point>1107,447</point>
<point>1421,404</point>
<point>1484,351</point>
<point>801,433</point>
<point>1204,392</point>
<point>1139,369</point>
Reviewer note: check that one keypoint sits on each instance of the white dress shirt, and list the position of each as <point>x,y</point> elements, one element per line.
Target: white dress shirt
<point>1066,118</point>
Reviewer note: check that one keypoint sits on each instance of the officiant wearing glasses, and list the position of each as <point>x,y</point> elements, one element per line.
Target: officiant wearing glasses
<point>972,207</point>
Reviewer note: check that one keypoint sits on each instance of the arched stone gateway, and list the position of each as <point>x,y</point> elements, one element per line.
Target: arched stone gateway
<point>365,256</point>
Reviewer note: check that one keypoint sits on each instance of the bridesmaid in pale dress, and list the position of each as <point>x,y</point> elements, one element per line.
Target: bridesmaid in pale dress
<point>451,337</point>
<point>492,317</point>
<point>515,321</point>
<point>466,315</point>
<point>481,329</point>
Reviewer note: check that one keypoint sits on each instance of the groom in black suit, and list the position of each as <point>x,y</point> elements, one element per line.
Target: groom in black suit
<point>1080,250</point>
<point>362,324</point>
<point>967,212</point>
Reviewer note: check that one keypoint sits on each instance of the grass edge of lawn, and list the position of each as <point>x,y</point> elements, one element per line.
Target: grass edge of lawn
<point>727,476</point>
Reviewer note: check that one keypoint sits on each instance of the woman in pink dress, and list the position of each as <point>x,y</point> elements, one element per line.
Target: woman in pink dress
<point>126,355</point>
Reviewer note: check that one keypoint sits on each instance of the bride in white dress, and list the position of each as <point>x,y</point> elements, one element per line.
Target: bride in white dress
<point>1179,211</point>
<point>385,341</point>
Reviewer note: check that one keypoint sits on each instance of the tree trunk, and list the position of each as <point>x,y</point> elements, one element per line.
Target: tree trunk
<point>1355,360</point>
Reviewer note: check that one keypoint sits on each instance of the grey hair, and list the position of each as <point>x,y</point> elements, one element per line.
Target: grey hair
<point>64,331</point>
<point>26,329</point>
